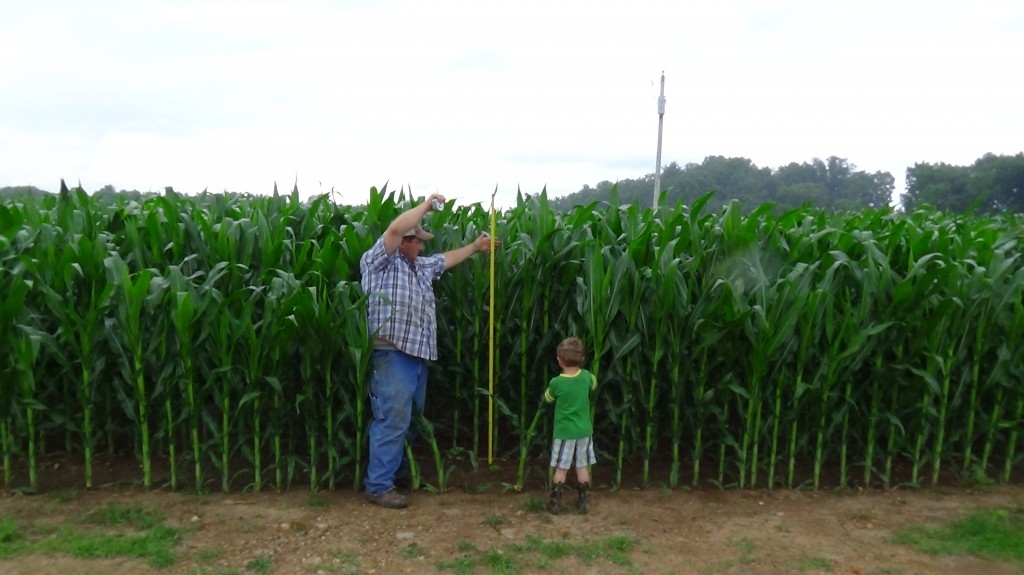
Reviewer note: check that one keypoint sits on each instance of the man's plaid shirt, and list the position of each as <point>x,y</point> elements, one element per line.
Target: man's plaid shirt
<point>401,306</point>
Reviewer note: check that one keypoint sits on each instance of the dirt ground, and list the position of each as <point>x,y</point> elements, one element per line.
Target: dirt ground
<point>708,531</point>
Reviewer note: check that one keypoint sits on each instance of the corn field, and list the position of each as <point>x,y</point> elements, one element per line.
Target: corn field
<point>220,341</point>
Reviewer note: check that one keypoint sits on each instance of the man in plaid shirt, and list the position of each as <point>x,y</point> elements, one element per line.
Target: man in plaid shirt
<point>402,321</point>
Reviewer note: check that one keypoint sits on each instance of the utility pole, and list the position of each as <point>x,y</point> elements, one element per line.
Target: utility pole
<point>661,121</point>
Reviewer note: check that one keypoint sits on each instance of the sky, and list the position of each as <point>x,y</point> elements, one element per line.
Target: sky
<point>473,98</point>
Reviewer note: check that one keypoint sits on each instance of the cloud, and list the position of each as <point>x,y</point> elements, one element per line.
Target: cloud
<point>461,97</point>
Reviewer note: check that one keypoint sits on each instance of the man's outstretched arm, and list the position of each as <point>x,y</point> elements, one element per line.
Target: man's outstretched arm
<point>457,256</point>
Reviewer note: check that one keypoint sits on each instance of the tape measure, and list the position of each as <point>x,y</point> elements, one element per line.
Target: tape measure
<point>490,343</point>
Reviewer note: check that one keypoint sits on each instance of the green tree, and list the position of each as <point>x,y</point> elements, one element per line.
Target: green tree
<point>941,185</point>
<point>860,190</point>
<point>833,183</point>
<point>18,192</point>
<point>993,184</point>
<point>997,182</point>
<point>732,178</point>
<point>802,193</point>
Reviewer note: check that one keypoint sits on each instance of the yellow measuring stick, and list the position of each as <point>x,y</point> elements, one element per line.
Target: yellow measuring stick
<point>490,345</point>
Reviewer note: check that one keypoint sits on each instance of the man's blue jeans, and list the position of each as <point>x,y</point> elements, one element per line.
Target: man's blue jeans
<point>397,384</point>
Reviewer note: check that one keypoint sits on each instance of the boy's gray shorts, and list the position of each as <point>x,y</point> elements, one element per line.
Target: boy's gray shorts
<point>564,452</point>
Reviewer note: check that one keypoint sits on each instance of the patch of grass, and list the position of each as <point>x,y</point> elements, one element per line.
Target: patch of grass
<point>746,549</point>
<point>465,546</point>
<point>260,566</point>
<point>534,505</point>
<point>342,563</point>
<point>465,563</point>
<point>155,545</point>
<point>618,547</point>
<point>208,555</point>
<point>460,566</point>
<point>12,539</point>
<point>494,521</point>
<point>477,489</point>
<point>547,549</point>
<point>412,551</point>
<point>978,478</point>
<point>988,533</point>
<point>538,553</point>
<point>813,563</point>
<point>316,501</point>
<point>9,531</point>
<point>499,563</point>
<point>63,495</point>
<point>135,516</point>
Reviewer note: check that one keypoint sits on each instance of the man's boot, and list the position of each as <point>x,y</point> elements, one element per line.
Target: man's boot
<point>555,504</point>
<point>583,503</point>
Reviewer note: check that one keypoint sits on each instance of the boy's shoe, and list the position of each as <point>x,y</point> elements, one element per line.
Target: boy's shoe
<point>391,499</point>
<point>583,503</point>
<point>555,503</point>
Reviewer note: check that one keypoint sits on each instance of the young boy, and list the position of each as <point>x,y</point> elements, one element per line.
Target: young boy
<point>573,435</point>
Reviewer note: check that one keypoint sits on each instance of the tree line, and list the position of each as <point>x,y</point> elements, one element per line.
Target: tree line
<point>993,184</point>
<point>833,183</point>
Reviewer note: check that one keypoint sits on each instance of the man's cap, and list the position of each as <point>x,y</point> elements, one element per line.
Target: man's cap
<point>419,233</point>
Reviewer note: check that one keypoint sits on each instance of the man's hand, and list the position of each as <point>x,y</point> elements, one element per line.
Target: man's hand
<point>483,243</point>
<point>432,200</point>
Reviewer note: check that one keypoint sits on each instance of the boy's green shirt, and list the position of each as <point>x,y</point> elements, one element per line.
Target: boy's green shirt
<point>571,396</point>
